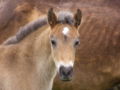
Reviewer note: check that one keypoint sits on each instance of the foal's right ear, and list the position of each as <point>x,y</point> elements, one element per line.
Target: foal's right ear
<point>52,19</point>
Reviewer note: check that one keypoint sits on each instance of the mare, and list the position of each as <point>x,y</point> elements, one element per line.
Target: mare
<point>30,59</point>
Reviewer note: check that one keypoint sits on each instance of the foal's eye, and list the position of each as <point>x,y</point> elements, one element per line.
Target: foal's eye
<point>53,42</point>
<point>77,42</point>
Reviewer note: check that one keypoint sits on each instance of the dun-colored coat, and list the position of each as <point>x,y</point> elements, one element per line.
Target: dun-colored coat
<point>30,59</point>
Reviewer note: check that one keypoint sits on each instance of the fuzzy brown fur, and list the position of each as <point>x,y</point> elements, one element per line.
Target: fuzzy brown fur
<point>97,66</point>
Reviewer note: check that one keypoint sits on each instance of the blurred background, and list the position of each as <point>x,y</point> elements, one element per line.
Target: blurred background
<point>97,65</point>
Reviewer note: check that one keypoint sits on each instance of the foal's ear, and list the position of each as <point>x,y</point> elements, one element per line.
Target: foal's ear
<point>52,19</point>
<point>77,18</point>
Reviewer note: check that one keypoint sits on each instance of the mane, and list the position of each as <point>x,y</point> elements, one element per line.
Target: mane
<point>63,17</point>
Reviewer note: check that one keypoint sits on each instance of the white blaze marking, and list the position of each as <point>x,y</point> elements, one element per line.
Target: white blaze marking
<point>67,64</point>
<point>65,30</point>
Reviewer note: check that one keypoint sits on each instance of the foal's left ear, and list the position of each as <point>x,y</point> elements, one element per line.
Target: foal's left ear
<point>78,17</point>
<point>52,19</point>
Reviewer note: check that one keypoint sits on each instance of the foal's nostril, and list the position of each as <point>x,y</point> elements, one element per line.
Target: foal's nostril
<point>70,70</point>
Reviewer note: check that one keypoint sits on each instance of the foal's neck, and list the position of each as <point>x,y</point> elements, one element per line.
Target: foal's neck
<point>42,54</point>
<point>37,45</point>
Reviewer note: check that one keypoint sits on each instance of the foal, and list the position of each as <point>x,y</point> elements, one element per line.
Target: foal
<point>30,62</point>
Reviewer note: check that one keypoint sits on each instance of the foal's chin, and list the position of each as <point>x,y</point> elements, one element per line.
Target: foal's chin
<point>66,79</point>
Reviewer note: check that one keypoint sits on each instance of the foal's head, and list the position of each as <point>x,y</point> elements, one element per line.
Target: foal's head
<point>64,39</point>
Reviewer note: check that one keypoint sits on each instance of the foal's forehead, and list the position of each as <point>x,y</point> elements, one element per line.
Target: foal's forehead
<point>65,30</point>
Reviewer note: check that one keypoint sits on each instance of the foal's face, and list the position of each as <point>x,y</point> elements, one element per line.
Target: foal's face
<point>64,40</point>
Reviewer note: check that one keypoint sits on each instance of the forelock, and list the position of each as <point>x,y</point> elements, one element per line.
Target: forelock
<point>65,17</point>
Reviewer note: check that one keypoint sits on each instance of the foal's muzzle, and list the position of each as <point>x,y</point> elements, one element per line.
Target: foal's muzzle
<point>66,73</point>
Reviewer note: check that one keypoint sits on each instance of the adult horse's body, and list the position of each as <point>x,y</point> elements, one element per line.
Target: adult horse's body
<point>30,62</point>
